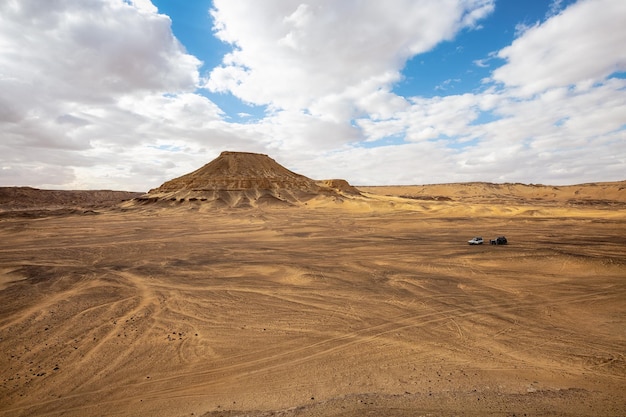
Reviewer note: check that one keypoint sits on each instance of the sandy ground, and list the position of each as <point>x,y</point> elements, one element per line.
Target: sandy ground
<point>334,309</point>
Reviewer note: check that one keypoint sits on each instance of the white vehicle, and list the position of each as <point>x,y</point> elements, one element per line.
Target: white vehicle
<point>476,241</point>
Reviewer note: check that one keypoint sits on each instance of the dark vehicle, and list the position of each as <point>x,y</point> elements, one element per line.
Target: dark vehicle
<point>498,241</point>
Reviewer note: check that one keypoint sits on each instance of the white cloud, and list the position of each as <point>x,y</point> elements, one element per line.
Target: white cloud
<point>555,8</point>
<point>562,135</point>
<point>294,56</point>
<point>556,116</point>
<point>68,68</point>
<point>144,5</point>
<point>100,94</point>
<point>584,43</point>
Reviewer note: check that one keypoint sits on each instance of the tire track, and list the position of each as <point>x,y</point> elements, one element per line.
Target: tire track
<point>180,385</point>
<point>145,305</point>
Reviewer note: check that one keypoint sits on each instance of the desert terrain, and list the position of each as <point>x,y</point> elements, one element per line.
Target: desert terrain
<point>369,304</point>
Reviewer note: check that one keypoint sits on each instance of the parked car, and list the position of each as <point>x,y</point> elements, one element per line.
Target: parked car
<point>501,240</point>
<point>476,241</point>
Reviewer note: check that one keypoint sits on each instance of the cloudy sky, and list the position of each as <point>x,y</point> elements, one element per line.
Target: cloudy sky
<point>126,94</point>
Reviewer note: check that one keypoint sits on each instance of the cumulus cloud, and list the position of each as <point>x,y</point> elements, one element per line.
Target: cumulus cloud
<point>535,114</point>
<point>554,112</point>
<point>92,50</point>
<point>67,73</point>
<point>100,94</point>
<point>582,44</point>
<point>302,56</point>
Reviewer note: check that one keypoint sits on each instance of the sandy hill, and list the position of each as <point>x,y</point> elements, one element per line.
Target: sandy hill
<point>590,194</point>
<point>244,179</point>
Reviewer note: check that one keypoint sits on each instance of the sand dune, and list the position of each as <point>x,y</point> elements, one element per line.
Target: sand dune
<point>348,304</point>
<point>608,193</point>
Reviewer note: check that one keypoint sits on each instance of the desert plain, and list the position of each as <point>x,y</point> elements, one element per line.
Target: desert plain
<point>368,305</point>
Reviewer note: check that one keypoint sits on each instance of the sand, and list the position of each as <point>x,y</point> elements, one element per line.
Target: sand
<point>364,306</point>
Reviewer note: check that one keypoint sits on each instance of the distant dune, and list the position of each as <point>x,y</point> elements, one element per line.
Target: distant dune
<point>602,193</point>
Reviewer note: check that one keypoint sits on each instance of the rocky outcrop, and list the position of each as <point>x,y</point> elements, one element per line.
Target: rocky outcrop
<point>245,179</point>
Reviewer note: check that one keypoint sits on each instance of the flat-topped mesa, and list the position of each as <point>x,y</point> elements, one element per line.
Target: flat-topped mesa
<point>245,179</point>
<point>237,171</point>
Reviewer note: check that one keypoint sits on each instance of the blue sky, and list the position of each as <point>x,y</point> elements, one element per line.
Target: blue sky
<point>192,25</point>
<point>450,67</point>
<point>126,94</point>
